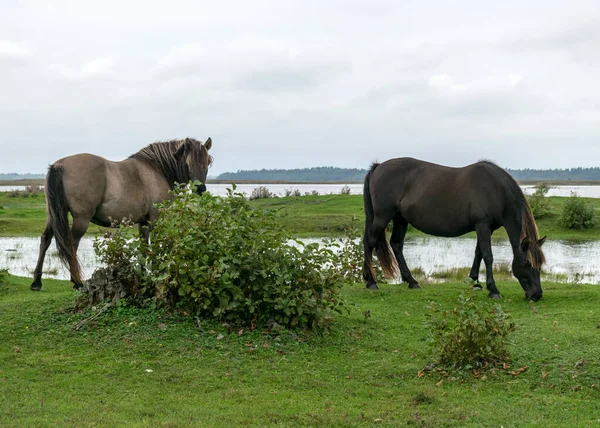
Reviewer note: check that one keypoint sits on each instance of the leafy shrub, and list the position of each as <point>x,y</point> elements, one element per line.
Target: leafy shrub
<point>221,259</point>
<point>473,335</point>
<point>539,203</point>
<point>345,190</point>
<point>576,214</point>
<point>261,192</point>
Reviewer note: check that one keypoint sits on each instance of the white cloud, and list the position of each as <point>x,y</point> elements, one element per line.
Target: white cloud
<point>481,85</point>
<point>11,50</point>
<point>97,66</point>
<point>266,77</point>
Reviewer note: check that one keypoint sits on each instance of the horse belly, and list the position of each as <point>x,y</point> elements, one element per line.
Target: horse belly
<point>119,210</point>
<point>436,223</point>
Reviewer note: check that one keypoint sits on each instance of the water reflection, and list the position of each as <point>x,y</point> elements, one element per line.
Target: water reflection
<point>565,260</point>
<point>355,189</point>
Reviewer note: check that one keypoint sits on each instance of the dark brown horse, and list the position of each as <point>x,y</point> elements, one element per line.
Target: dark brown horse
<point>449,202</point>
<point>94,189</point>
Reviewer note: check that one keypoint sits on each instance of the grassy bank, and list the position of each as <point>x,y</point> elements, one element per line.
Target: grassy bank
<point>304,216</point>
<point>136,368</point>
<point>329,215</point>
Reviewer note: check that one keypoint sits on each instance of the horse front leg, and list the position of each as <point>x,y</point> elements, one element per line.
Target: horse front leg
<point>484,237</point>
<point>144,231</point>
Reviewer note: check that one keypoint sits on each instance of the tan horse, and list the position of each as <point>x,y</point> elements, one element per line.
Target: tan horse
<point>94,189</point>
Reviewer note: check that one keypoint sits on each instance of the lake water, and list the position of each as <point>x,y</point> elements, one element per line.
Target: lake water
<point>356,189</point>
<point>565,258</point>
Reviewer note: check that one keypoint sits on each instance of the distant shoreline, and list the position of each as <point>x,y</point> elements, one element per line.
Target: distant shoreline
<point>40,182</point>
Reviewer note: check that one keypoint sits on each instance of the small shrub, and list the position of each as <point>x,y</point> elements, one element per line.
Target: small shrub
<point>221,259</point>
<point>539,203</point>
<point>577,214</point>
<point>292,192</point>
<point>473,335</point>
<point>349,258</point>
<point>261,192</point>
<point>345,190</point>
<point>32,190</point>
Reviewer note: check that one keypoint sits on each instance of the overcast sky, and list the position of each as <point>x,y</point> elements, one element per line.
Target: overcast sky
<point>290,84</point>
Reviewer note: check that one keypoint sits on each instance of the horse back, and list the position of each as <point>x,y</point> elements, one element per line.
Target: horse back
<point>438,199</point>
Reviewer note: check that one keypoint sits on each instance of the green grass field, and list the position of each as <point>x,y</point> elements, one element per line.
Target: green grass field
<point>132,367</point>
<point>304,216</point>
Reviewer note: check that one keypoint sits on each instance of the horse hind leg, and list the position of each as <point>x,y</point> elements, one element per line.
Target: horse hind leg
<point>45,241</point>
<point>369,246</point>
<point>372,237</point>
<point>397,244</point>
<point>80,226</point>
<point>473,277</point>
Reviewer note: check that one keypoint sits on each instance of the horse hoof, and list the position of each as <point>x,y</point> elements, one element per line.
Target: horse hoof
<point>477,287</point>
<point>495,296</point>
<point>414,286</point>
<point>35,288</point>
<point>372,286</point>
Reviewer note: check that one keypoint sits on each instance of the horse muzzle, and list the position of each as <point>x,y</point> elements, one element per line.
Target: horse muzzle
<point>534,296</point>
<point>200,189</point>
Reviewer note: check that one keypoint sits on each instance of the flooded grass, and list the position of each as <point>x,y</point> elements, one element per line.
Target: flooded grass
<point>429,259</point>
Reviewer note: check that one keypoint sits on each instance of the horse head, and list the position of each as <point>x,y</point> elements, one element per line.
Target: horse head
<point>526,267</point>
<point>195,155</point>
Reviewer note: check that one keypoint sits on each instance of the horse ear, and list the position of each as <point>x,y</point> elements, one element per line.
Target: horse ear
<point>525,244</point>
<point>541,241</point>
<point>208,143</point>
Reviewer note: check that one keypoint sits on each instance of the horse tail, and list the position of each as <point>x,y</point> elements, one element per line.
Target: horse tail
<point>382,247</point>
<point>58,220</point>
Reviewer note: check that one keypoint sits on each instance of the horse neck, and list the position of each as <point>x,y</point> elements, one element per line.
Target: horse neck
<point>514,229</point>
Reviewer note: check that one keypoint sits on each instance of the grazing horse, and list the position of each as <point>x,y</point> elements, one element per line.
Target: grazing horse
<point>449,202</point>
<point>94,189</point>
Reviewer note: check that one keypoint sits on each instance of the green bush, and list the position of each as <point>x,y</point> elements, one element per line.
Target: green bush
<point>577,214</point>
<point>473,335</point>
<point>221,259</point>
<point>539,203</point>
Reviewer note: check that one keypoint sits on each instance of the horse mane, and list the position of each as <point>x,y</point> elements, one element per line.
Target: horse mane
<point>161,156</point>
<point>535,255</point>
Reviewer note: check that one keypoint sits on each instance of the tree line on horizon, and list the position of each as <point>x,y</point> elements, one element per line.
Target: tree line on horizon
<point>330,173</point>
<point>355,174</point>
